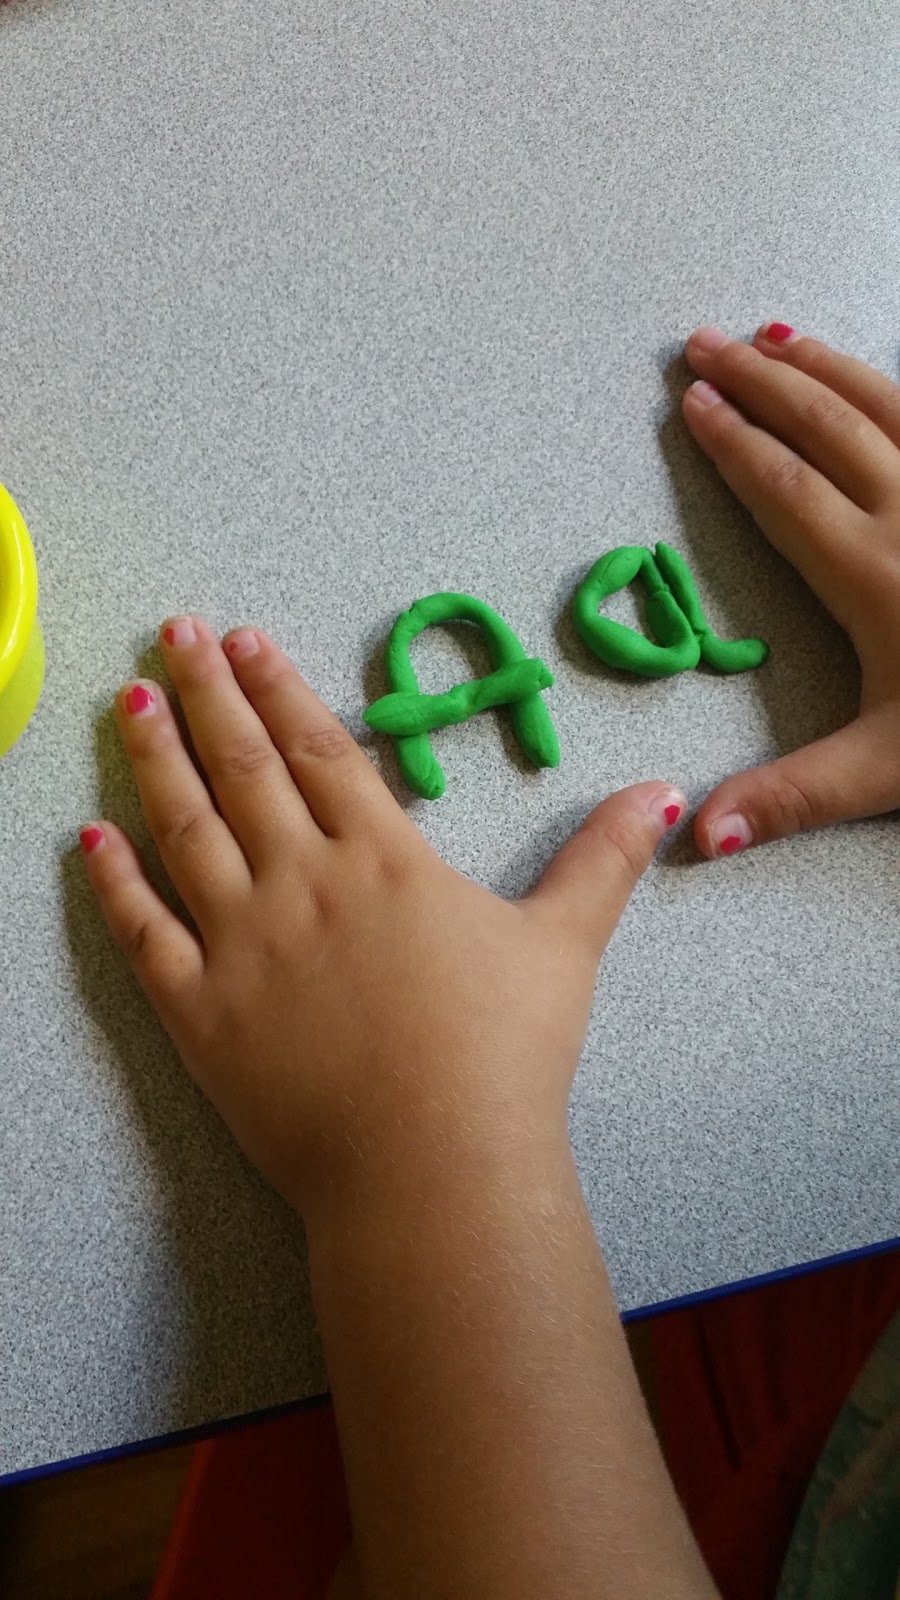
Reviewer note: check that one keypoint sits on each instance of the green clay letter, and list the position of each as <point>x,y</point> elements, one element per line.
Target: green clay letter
<point>674,614</point>
<point>409,716</point>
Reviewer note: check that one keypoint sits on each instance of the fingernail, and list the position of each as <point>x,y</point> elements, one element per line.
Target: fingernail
<point>777,332</point>
<point>242,644</point>
<point>667,808</point>
<point>180,632</point>
<point>139,702</point>
<point>730,834</point>
<point>708,340</point>
<point>704,393</point>
<point>91,839</point>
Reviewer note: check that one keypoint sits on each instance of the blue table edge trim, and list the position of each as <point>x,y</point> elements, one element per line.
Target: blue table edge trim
<point>209,1430</point>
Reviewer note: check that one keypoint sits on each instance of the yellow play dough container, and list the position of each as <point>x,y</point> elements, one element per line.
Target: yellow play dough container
<point>21,642</point>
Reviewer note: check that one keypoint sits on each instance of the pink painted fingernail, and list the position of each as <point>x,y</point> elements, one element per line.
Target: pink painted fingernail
<point>180,632</point>
<point>242,644</point>
<point>704,393</point>
<point>778,332</point>
<point>730,834</point>
<point>91,839</point>
<point>139,702</point>
<point>667,808</point>
<point>708,340</point>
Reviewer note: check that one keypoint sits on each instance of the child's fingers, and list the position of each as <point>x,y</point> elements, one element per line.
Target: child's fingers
<point>805,414</point>
<point>804,515</point>
<point>198,850</point>
<point>860,385</point>
<point>852,773</point>
<point>588,883</point>
<point>335,777</point>
<point>255,792</point>
<point>166,958</point>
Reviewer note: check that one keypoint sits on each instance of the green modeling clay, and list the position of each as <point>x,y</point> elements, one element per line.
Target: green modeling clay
<point>409,716</point>
<point>674,613</point>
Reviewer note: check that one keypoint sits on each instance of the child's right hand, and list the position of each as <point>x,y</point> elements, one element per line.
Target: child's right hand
<point>809,440</point>
<point>347,999</point>
<point>394,1046</point>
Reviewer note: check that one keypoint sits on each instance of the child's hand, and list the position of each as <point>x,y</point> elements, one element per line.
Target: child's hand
<point>347,999</point>
<point>810,442</point>
<point>394,1048</point>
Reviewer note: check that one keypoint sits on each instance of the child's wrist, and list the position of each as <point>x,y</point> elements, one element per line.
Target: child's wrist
<point>404,1239</point>
<point>426,1168</point>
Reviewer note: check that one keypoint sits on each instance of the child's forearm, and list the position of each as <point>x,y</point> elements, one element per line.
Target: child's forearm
<point>493,1433</point>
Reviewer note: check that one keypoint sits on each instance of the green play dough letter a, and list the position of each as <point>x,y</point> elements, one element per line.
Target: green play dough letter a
<point>409,716</point>
<point>682,635</point>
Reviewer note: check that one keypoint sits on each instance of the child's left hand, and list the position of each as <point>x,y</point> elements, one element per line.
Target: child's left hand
<point>809,440</point>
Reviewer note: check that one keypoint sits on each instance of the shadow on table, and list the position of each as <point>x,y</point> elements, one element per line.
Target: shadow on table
<point>9,8</point>
<point>240,1337</point>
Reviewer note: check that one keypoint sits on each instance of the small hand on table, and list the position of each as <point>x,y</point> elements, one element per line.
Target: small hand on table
<point>809,440</point>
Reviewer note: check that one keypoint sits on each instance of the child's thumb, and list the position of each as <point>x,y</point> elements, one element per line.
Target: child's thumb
<point>852,773</point>
<point>588,883</point>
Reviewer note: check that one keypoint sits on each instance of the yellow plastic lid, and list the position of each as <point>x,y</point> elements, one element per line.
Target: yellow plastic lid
<point>21,645</point>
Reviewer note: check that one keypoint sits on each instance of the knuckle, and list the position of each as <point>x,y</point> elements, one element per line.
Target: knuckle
<point>627,850</point>
<point>243,758</point>
<point>792,809</point>
<point>887,414</point>
<point>785,477</point>
<point>394,870</point>
<point>179,830</point>
<point>134,940</point>
<point>327,905</point>
<point>325,741</point>
<point>828,410</point>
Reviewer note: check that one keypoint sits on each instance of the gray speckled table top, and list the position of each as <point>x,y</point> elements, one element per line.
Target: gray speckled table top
<point>307,309</point>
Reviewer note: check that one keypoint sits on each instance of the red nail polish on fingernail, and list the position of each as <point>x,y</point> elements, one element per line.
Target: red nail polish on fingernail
<point>91,840</point>
<point>138,699</point>
<point>242,644</point>
<point>169,635</point>
<point>779,332</point>
<point>665,810</point>
<point>730,833</point>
